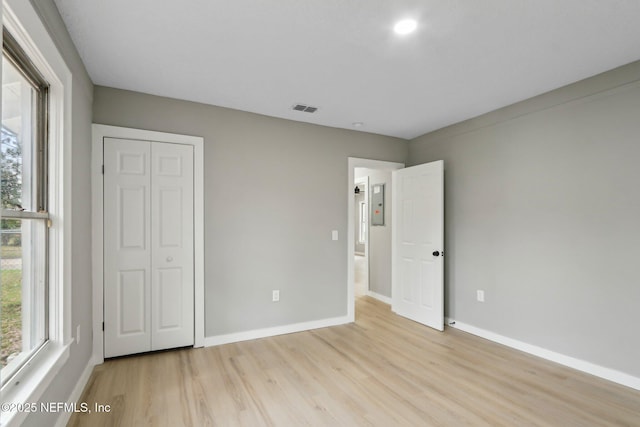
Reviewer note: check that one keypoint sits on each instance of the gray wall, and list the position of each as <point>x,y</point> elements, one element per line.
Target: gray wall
<point>543,213</point>
<point>82,90</point>
<point>258,234</point>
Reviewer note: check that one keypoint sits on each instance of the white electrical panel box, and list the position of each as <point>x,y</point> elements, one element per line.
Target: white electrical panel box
<point>377,204</point>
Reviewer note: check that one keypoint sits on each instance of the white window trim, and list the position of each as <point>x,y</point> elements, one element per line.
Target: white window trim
<point>104,131</point>
<point>23,22</point>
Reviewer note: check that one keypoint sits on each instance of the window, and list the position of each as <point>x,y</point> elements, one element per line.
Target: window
<point>24,202</point>
<point>362,230</point>
<point>38,237</point>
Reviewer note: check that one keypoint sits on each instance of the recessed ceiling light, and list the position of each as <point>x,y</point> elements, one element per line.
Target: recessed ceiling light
<point>405,26</point>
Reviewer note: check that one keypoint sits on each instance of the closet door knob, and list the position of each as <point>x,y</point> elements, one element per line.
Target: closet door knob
<point>436,253</point>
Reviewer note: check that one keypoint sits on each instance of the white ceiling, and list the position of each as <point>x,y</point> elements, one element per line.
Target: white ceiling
<point>467,57</point>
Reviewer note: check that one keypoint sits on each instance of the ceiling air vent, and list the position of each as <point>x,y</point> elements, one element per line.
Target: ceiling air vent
<point>304,108</point>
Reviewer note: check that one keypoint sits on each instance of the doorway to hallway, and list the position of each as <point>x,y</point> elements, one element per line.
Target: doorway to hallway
<point>369,275</point>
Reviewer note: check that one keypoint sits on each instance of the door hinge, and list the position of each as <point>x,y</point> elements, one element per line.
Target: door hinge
<point>103,326</point>
<point>102,169</point>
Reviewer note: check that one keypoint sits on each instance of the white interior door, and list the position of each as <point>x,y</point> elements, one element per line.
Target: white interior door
<point>148,246</point>
<point>171,246</point>
<point>127,244</point>
<point>418,243</point>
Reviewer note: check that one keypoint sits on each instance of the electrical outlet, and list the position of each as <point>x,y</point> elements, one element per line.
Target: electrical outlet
<point>78,334</point>
<point>480,295</point>
<point>275,296</point>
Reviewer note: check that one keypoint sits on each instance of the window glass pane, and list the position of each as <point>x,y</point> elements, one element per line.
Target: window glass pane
<point>18,164</point>
<point>23,295</point>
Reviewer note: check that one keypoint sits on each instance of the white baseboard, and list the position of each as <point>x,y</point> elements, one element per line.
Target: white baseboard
<point>276,330</point>
<point>76,393</point>
<point>379,297</point>
<point>572,362</point>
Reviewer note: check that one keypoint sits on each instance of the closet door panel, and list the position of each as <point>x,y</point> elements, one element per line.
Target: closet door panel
<point>172,252</point>
<point>127,246</point>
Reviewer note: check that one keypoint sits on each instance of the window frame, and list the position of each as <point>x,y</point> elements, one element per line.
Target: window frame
<point>21,61</point>
<point>23,22</point>
<point>13,53</point>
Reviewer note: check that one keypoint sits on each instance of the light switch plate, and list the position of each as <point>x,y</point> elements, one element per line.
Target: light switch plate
<point>334,235</point>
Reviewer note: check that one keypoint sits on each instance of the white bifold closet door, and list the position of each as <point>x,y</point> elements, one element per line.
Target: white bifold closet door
<point>148,246</point>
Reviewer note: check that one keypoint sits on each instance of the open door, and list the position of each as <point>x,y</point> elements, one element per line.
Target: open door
<point>418,244</point>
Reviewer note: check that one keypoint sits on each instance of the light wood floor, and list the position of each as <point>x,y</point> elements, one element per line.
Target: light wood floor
<point>360,276</point>
<point>382,370</point>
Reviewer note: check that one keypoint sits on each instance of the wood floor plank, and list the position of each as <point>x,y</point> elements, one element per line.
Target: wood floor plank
<point>382,370</point>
